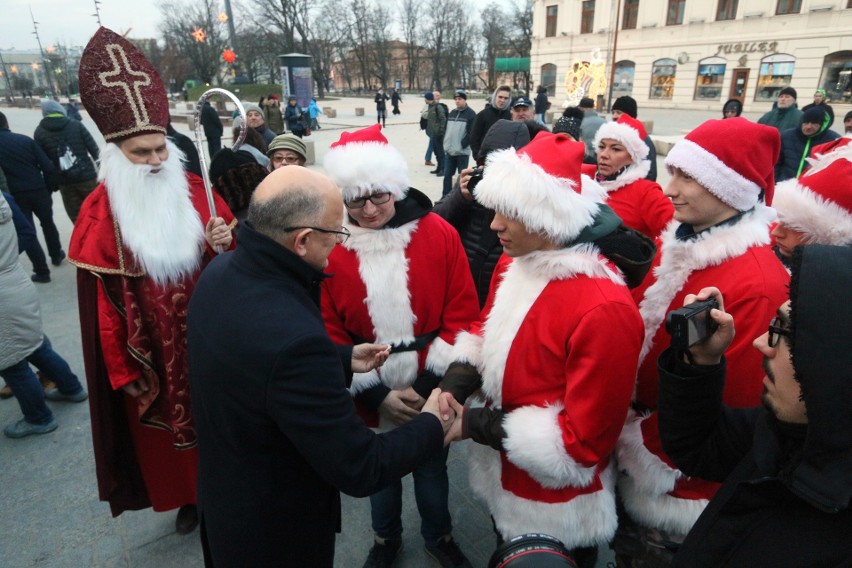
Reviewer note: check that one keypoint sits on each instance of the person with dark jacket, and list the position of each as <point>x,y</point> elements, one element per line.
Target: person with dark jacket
<point>72,110</point>
<point>191,163</point>
<point>396,98</point>
<point>69,146</point>
<point>31,176</point>
<point>497,108</point>
<point>541,103</point>
<point>819,100</point>
<point>457,139</point>
<point>785,113</point>
<point>732,108</point>
<point>213,128</point>
<point>293,118</point>
<point>796,143</point>
<point>785,467</point>
<point>472,219</point>
<point>278,432</point>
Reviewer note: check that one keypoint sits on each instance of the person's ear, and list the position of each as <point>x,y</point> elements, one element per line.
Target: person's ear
<point>300,242</point>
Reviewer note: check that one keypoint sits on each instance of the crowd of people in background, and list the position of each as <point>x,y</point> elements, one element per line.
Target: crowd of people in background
<point>526,310</point>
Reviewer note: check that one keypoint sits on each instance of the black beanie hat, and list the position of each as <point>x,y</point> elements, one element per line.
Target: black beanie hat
<point>627,105</point>
<point>569,122</point>
<point>789,91</point>
<point>814,115</point>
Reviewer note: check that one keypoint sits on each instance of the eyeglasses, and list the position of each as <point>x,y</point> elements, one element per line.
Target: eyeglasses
<point>290,159</point>
<point>342,235</point>
<point>375,199</point>
<point>776,331</point>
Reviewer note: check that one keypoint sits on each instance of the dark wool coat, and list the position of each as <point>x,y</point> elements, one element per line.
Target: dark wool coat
<point>278,433</point>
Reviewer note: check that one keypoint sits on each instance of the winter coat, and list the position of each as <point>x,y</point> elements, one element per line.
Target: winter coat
<point>20,325</point>
<point>484,120</point>
<point>796,147</point>
<point>436,120</point>
<point>314,110</point>
<point>782,118</point>
<point>272,118</point>
<point>541,103</point>
<point>293,116</point>
<point>588,129</point>
<point>457,136</point>
<point>25,164</point>
<point>211,122</point>
<point>58,134</point>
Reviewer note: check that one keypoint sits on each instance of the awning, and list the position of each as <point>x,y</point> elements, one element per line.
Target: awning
<point>511,64</point>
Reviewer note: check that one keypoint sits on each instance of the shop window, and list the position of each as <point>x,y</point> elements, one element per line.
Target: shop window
<point>631,15</point>
<point>836,77</point>
<point>727,10</point>
<point>675,12</point>
<point>623,80</point>
<point>550,26</point>
<point>776,72</point>
<point>788,7</point>
<point>548,78</point>
<point>708,82</point>
<point>663,79</point>
<point>587,17</point>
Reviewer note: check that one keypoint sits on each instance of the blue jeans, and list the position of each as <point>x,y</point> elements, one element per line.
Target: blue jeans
<point>26,387</point>
<point>452,166</point>
<point>431,491</point>
<point>429,149</point>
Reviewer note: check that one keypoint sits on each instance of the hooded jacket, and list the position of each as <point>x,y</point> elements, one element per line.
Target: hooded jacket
<point>795,146</point>
<point>484,120</point>
<point>57,132</point>
<point>786,489</point>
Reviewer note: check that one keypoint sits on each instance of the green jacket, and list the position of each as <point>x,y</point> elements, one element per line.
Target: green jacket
<point>436,120</point>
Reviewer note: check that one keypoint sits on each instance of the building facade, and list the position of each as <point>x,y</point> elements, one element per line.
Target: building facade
<point>693,55</point>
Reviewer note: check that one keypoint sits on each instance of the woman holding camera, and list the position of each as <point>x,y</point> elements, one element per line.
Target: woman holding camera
<point>622,166</point>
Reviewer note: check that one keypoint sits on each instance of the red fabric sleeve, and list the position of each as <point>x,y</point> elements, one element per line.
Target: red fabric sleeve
<point>121,367</point>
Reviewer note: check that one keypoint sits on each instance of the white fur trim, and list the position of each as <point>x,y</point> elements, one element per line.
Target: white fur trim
<point>468,349</point>
<point>522,283</point>
<point>823,221</point>
<point>383,268</point>
<point>362,168</point>
<point>632,173</point>
<point>679,259</point>
<point>520,189</point>
<point>663,512</point>
<point>822,161</point>
<point>627,135</point>
<point>592,189</point>
<point>364,381</point>
<point>439,357</point>
<point>534,443</point>
<point>720,179</point>
<point>650,474</point>
<point>586,520</point>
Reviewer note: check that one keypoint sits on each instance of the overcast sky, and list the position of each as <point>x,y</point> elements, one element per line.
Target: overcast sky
<point>71,22</point>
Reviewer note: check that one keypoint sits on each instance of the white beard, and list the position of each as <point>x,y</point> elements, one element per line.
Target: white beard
<point>158,222</point>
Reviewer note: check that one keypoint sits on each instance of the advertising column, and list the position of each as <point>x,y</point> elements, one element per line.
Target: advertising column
<point>297,78</point>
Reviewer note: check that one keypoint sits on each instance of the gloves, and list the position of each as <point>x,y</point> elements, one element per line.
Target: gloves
<point>462,380</point>
<point>484,426</point>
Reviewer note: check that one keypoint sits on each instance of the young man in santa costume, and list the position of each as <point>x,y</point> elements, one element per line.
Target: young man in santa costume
<point>720,237</point>
<point>140,241</point>
<point>817,207</point>
<point>402,278</point>
<point>556,352</point>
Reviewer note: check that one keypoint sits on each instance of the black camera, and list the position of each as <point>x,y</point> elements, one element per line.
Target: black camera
<point>475,178</point>
<point>691,324</point>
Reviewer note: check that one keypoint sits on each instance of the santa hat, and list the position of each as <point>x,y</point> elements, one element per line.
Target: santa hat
<point>362,162</point>
<point>121,89</point>
<point>819,204</point>
<point>713,155</point>
<point>540,186</point>
<point>630,132</point>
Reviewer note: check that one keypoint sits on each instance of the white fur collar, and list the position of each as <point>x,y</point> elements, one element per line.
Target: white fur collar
<point>632,173</point>
<point>521,286</point>
<point>383,268</point>
<point>681,258</point>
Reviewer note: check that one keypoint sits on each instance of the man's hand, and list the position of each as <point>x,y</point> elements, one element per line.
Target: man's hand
<point>463,179</point>
<point>432,406</point>
<point>710,351</point>
<point>218,234</point>
<point>369,356</point>
<point>454,433</point>
<point>136,388</point>
<point>397,406</point>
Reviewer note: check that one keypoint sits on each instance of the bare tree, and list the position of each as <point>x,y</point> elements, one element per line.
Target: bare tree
<point>178,24</point>
<point>409,18</point>
<point>495,32</point>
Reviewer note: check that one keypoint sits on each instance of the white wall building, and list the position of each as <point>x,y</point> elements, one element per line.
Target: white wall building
<point>691,54</point>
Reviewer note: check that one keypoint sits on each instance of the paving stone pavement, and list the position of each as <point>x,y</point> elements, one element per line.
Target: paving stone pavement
<point>48,493</point>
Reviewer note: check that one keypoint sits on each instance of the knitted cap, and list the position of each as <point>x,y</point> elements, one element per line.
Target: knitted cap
<point>248,107</point>
<point>815,115</point>
<point>819,203</point>
<point>52,107</point>
<point>569,122</point>
<point>540,186</point>
<point>789,91</point>
<point>362,162</point>
<point>627,105</point>
<point>287,142</point>
<point>121,89</point>
<point>713,155</point>
<point>460,93</point>
<point>429,96</point>
<point>630,132</point>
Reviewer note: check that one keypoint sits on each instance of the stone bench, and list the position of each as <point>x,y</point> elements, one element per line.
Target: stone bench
<point>359,111</point>
<point>329,112</point>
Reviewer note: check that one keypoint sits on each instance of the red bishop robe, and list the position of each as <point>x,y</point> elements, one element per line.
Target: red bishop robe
<point>131,329</point>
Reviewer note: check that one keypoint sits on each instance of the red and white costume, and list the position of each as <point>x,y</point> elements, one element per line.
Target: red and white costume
<point>557,351</point>
<point>639,202</point>
<point>734,257</point>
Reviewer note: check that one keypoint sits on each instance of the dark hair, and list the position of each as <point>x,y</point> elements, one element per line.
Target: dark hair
<point>586,102</point>
<point>845,118</point>
<point>253,138</point>
<point>3,122</point>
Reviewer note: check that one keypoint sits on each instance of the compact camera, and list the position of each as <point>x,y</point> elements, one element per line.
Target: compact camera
<point>691,324</point>
<point>475,178</point>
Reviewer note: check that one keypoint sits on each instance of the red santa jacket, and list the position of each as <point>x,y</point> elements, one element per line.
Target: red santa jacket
<point>736,259</point>
<point>557,352</point>
<point>639,202</point>
<point>394,284</point>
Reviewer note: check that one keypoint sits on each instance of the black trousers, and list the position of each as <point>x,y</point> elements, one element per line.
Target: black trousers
<point>39,202</point>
